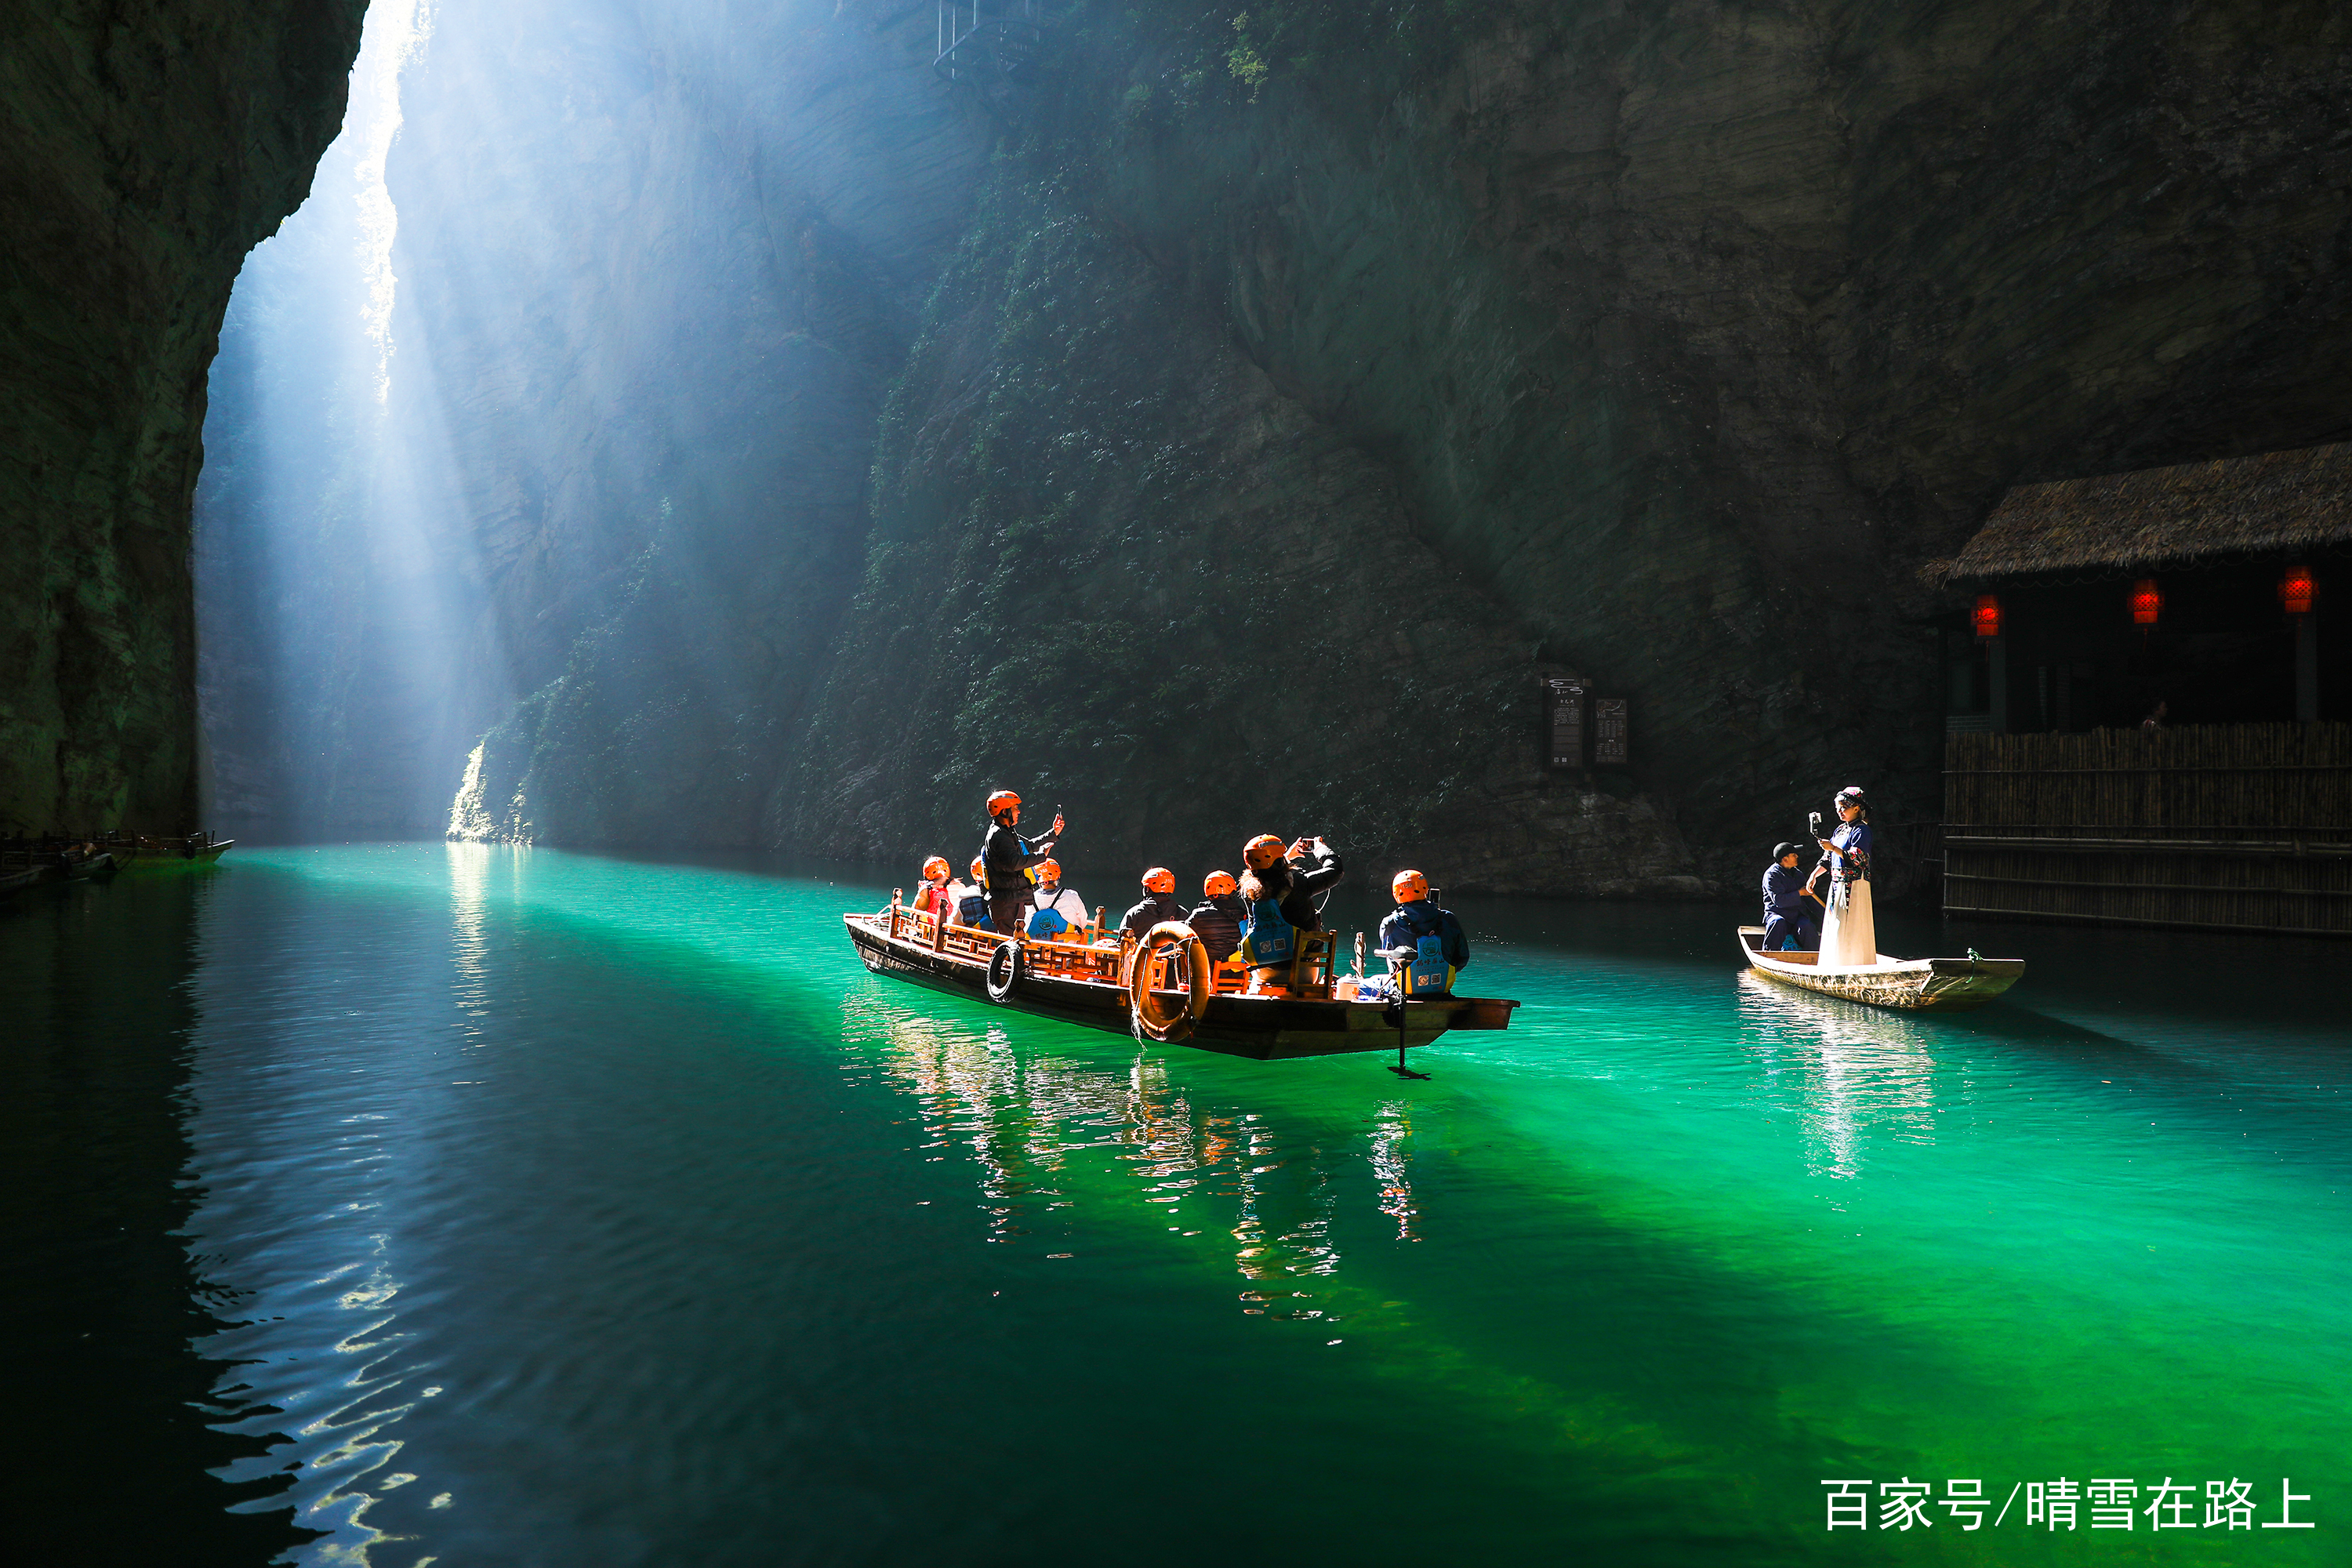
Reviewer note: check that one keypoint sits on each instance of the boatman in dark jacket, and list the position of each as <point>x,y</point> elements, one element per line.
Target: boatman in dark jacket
<point>1440,947</point>
<point>1159,904</point>
<point>1218,919</point>
<point>1788,924</point>
<point>1009,862</point>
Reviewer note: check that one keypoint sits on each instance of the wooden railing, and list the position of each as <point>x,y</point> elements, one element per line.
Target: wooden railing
<point>2235,826</point>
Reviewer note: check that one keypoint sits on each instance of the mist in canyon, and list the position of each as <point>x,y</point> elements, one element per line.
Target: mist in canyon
<point>701,424</point>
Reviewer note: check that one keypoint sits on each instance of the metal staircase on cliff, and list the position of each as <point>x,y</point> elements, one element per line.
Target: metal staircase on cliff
<point>992,46</point>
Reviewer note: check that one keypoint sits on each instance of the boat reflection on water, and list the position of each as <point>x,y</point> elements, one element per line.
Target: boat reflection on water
<point>1046,1130</point>
<point>1846,1072</point>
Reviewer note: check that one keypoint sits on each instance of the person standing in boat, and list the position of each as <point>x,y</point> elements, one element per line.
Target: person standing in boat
<point>1067,910</point>
<point>1849,933</point>
<point>1788,925</point>
<point>1009,862</point>
<point>1278,887</point>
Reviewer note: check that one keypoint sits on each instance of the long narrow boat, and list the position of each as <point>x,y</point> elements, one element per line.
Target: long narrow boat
<point>1937,984</point>
<point>139,852</point>
<point>1087,984</point>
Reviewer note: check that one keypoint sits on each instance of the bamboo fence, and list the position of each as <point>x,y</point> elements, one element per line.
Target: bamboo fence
<point>2225,827</point>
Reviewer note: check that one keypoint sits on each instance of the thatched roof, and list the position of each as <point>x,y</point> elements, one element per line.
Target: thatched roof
<point>2278,501</point>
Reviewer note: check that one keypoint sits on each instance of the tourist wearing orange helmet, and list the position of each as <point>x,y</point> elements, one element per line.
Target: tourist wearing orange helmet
<point>1217,919</point>
<point>1010,861</point>
<point>972,900</point>
<point>1056,911</point>
<point>1159,904</point>
<point>1277,891</point>
<point>1438,947</point>
<point>933,896</point>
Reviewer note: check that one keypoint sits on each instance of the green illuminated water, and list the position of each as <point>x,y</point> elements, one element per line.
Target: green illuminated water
<point>537,1209</point>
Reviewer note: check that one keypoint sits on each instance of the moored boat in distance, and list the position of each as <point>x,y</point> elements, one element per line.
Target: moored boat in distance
<point>1098,985</point>
<point>178,852</point>
<point>1919,985</point>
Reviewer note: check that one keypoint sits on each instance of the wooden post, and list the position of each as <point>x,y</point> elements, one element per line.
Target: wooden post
<point>1997,658</point>
<point>2306,667</point>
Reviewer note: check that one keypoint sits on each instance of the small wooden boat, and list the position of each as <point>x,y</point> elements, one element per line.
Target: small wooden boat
<point>1094,984</point>
<point>15,879</point>
<point>1937,985</point>
<point>142,853</point>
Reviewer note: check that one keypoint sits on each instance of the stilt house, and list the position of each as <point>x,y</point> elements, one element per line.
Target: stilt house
<point>2146,714</point>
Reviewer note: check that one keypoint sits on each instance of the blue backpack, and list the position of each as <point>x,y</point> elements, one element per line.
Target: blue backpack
<point>1425,973</point>
<point>971,910</point>
<point>1267,939</point>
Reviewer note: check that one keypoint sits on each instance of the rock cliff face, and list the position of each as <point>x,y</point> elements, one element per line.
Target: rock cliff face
<point>1226,428</point>
<point>1662,342</point>
<point>144,149</point>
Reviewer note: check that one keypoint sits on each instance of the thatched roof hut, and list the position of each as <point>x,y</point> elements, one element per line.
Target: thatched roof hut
<point>2298,500</point>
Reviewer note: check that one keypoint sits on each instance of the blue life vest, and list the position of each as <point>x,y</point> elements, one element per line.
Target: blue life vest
<point>1423,974</point>
<point>1267,939</point>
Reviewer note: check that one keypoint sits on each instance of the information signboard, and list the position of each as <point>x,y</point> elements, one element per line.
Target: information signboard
<point>1609,732</point>
<point>1564,702</point>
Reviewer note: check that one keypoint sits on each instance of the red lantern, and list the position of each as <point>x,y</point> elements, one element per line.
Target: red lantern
<point>2296,590</point>
<point>1988,615</point>
<point>2146,602</point>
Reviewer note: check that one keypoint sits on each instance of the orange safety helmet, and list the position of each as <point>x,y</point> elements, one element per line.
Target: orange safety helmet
<point>1049,871</point>
<point>1218,882</point>
<point>1160,879</point>
<point>1000,800</point>
<point>1408,887</point>
<point>936,868</point>
<point>976,872</point>
<point>1262,852</point>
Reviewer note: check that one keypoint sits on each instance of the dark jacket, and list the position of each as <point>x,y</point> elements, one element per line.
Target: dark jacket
<point>1408,923</point>
<point>1155,908</point>
<point>1218,923</point>
<point>1295,889</point>
<point>1005,855</point>
<point>1784,893</point>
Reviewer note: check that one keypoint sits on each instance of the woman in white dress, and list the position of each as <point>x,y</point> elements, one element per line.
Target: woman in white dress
<point>1849,934</point>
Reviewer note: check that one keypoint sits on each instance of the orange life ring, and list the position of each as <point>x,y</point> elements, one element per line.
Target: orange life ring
<point>1143,1004</point>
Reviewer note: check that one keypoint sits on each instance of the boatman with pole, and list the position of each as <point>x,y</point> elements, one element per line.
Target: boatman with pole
<point>1009,862</point>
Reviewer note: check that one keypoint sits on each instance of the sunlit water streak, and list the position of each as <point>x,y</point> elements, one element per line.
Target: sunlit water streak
<point>586,1211</point>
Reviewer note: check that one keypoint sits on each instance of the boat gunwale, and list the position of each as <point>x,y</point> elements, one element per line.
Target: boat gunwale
<point>1908,984</point>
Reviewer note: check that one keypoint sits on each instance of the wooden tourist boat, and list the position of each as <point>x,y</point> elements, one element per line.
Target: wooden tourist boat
<point>122,851</point>
<point>1928,984</point>
<point>24,869</point>
<point>139,852</point>
<point>1094,984</point>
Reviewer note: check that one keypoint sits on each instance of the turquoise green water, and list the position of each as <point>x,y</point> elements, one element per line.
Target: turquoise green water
<point>565,1210</point>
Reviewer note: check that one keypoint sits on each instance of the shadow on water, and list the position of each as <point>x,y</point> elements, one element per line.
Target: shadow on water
<point>102,1303</point>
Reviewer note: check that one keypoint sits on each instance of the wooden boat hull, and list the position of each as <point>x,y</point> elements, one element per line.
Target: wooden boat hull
<point>1914,984</point>
<point>1263,1028</point>
<point>143,860</point>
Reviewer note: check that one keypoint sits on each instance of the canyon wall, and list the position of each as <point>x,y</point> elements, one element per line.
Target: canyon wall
<point>145,149</point>
<point>1225,425</point>
<point>1412,356</point>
